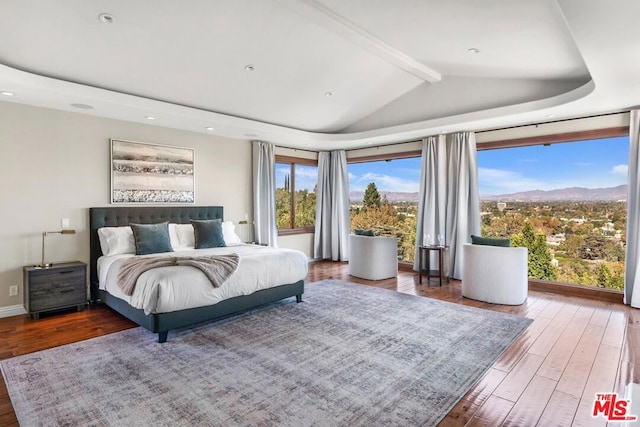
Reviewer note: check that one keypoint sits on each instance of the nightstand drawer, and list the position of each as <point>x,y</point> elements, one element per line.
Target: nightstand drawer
<point>54,279</point>
<point>63,296</point>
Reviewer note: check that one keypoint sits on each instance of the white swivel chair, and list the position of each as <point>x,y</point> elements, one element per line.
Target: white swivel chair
<point>495,274</point>
<point>373,258</point>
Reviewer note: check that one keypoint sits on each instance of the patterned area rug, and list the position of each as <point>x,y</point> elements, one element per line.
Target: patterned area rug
<point>349,355</point>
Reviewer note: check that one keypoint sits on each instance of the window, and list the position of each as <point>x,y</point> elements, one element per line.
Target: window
<point>566,202</point>
<point>296,182</point>
<point>383,196</point>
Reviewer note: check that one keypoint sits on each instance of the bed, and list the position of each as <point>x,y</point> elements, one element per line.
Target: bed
<point>159,321</point>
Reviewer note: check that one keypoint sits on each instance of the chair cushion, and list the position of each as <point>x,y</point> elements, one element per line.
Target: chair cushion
<point>359,232</point>
<point>490,241</point>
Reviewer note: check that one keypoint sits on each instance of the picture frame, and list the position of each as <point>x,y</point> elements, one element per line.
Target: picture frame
<point>151,173</point>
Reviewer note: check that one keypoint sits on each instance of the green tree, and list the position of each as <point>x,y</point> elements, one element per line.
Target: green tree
<point>540,266</point>
<point>604,275</point>
<point>371,197</point>
<point>305,208</point>
<point>283,208</point>
<point>593,247</point>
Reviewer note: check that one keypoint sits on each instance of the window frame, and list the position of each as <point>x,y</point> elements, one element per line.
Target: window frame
<point>400,155</point>
<point>292,162</point>
<point>557,138</point>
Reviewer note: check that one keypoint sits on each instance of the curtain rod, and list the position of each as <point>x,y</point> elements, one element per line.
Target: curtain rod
<point>477,132</point>
<point>555,121</point>
<point>298,149</point>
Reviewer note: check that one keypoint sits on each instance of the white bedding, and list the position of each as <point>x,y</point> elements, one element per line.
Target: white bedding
<point>166,289</point>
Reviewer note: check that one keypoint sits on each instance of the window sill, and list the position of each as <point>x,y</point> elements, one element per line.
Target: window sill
<point>609,295</point>
<point>293,231</point>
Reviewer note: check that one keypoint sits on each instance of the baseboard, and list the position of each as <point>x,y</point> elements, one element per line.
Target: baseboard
<point>12,310</point>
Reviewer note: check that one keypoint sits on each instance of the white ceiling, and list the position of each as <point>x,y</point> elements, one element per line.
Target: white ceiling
<point>396,70</point>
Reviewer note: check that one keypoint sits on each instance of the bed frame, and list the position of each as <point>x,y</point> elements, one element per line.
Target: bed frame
<point>161,323</point>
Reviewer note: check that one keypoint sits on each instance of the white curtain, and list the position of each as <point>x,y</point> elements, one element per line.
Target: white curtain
<point>264,194</point>
<point>331,240</point>
<point>432,202</point>
<point>632,259</point>
<point>463,200</point>
<point>449,200</point>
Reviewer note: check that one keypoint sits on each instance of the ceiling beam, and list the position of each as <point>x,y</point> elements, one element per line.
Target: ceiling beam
<point>338,24</point>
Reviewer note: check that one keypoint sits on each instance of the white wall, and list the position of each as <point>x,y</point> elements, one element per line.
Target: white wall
<point>56,165</point>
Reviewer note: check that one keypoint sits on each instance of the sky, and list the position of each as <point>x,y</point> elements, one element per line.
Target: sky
<point>590,164</point>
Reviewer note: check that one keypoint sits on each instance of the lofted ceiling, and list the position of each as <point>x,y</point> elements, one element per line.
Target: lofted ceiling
<point>323,74</point>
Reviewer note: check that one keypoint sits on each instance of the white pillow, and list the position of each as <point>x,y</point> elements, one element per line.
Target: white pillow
<point>229,235</point>
<point>181,236</point>
<point>116,240</point>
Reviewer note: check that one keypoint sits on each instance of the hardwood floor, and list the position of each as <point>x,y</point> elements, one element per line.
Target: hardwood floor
<point>549,376</point>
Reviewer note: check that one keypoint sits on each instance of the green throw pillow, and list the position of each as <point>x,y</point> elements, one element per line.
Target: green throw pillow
<point>490,241</point>
<point>151,238</point>
<point>359,232</point>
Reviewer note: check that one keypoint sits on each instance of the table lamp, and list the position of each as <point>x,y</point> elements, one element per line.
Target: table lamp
<point>248,230</point>
<point>44,234</point>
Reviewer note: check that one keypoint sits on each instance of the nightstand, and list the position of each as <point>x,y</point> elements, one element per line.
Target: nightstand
<point>59,286</point>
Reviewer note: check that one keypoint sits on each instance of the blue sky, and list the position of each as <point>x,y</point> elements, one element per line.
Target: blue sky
<point>306,176</point>
<point>591,164</point>
<point>401,175</point>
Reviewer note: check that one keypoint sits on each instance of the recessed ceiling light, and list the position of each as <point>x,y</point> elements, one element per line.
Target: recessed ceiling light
<point>209,128</point>
<point>150,118</point>
<point>473,50</point>
<point>249,68</point>
<point>7,93</point>
<point>328,94</point>
<point>82,106</point>
<point>106,18</point>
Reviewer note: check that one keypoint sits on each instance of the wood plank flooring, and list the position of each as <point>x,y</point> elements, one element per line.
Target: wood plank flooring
<point>574,348</point>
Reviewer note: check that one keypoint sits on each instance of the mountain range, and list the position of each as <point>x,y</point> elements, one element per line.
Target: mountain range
<point>609,194</point>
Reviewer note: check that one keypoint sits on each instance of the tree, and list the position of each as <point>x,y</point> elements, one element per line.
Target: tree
<point>572,245</point>
<point>593,247</point>
<point>540,266</point>
<point>305,208</point>
<point>604,275</point>
<point>283,208</point>
<point>371,197</point>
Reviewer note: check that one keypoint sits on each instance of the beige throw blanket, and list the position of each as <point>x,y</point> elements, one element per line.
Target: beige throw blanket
<point>217,268</point>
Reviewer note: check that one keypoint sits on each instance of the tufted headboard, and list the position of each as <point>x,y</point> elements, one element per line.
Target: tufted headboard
<point>122,216</point>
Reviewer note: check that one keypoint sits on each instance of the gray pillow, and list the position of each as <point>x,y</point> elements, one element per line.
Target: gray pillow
<point>359,232</point>
<point>208,233</point>
<point>490,241</point>
<point>151,238</point>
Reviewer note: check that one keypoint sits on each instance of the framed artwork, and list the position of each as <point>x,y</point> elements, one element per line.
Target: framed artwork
<point>151,173</point>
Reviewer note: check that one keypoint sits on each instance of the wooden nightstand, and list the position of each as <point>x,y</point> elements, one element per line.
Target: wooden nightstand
<point>59,286</point>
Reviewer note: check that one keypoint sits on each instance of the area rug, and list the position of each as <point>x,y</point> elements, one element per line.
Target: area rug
<point>348,355</point>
